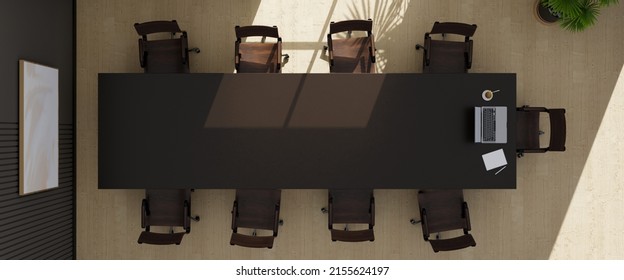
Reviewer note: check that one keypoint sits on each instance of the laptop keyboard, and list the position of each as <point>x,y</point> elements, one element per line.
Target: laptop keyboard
<point>489,124</point>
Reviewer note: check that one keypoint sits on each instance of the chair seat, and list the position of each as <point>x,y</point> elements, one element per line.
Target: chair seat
<point>451,244</point>
<point>252,241</point>
<point>167,207</point>
<point>351,207</point>
<point>352,55</point>
<point>352,236</point>
<point>446,57</point>
<point>527,130</point>
<point>160,238</point>
<point>256,208</point>
<point>258,58</point>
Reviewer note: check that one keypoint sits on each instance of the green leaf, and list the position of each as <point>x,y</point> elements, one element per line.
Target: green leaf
<point>586,17</point>
<point>605,3</point>
<point>567,8</point>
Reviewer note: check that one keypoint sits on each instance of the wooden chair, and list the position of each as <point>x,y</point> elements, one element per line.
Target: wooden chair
<point>351,55</point>
<point>351,207</point>
<point>170,208</point>
<point>163,55</point>
<point>262,57</point>
<point>443,211</point>
<point>528,132</point>
<point>441,56</point>
<point>255,209</point>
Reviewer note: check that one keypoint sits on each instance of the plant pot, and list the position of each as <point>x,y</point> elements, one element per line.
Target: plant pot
<point>543,14</point>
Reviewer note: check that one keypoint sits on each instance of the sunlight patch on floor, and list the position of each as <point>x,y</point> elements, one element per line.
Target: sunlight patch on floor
<point>593,227</point>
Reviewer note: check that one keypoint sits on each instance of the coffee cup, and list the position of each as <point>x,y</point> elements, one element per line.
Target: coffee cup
<point>487,95</point>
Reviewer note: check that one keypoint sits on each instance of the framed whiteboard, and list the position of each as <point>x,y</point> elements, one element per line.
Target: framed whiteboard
<point>38,127</point>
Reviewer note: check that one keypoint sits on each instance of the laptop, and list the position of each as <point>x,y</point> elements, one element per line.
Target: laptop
<point>491,124</point>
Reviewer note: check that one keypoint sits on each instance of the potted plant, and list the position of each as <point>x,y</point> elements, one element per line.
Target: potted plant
<point>573,15</point>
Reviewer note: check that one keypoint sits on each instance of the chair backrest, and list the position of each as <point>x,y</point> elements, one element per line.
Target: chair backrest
<point>451,244</point>
<point>351,25</point>
<point>162,55</point>
<point>458,28</point>
<point>557,130</point>
<point>157,26</point>
<point>256,30</point>
<point>161,238</point>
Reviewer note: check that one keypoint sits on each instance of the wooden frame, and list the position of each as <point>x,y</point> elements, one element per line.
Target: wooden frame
<point>38,127</point>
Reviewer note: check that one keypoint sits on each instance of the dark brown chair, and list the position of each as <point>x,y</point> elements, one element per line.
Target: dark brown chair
<point>163,55</point>
<point>258,57</point>
<point>443,211</point>
<point>351,207</point>
<point>169,208</point>
<point>351,55</point>
<point>528,132</point>
<point>441,56</point>
<point>255,209</point>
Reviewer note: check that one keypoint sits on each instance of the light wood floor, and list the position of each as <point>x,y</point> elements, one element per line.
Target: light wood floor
<point>567,205</point>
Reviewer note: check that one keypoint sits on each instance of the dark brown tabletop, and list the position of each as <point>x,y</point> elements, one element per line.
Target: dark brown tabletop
<point>299,131</point>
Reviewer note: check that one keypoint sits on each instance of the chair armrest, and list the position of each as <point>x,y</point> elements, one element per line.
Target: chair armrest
<point>184,44</point>
<point>427,48</point>
<point>468,54</point>
<point>187,216</point>
<point>425,224</point>
<point>372,211</point>
<point>234,214</point>
<point>330,50</point>
<point>466,215</point>
<point>330,217</point>
<point>371,48</point>
<point>279,55</point>
<point>542,150</point>
<point>142,53</point>
<point>526,108</point>
<point>276,222</point>
<point>236,54</point>
<point>144,213</point>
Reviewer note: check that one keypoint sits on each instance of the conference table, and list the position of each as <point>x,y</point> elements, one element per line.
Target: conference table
<point>299,131</point>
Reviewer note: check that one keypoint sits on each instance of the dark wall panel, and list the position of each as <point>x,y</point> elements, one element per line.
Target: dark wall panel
<point>40,225</point>
<point>40,31</point>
